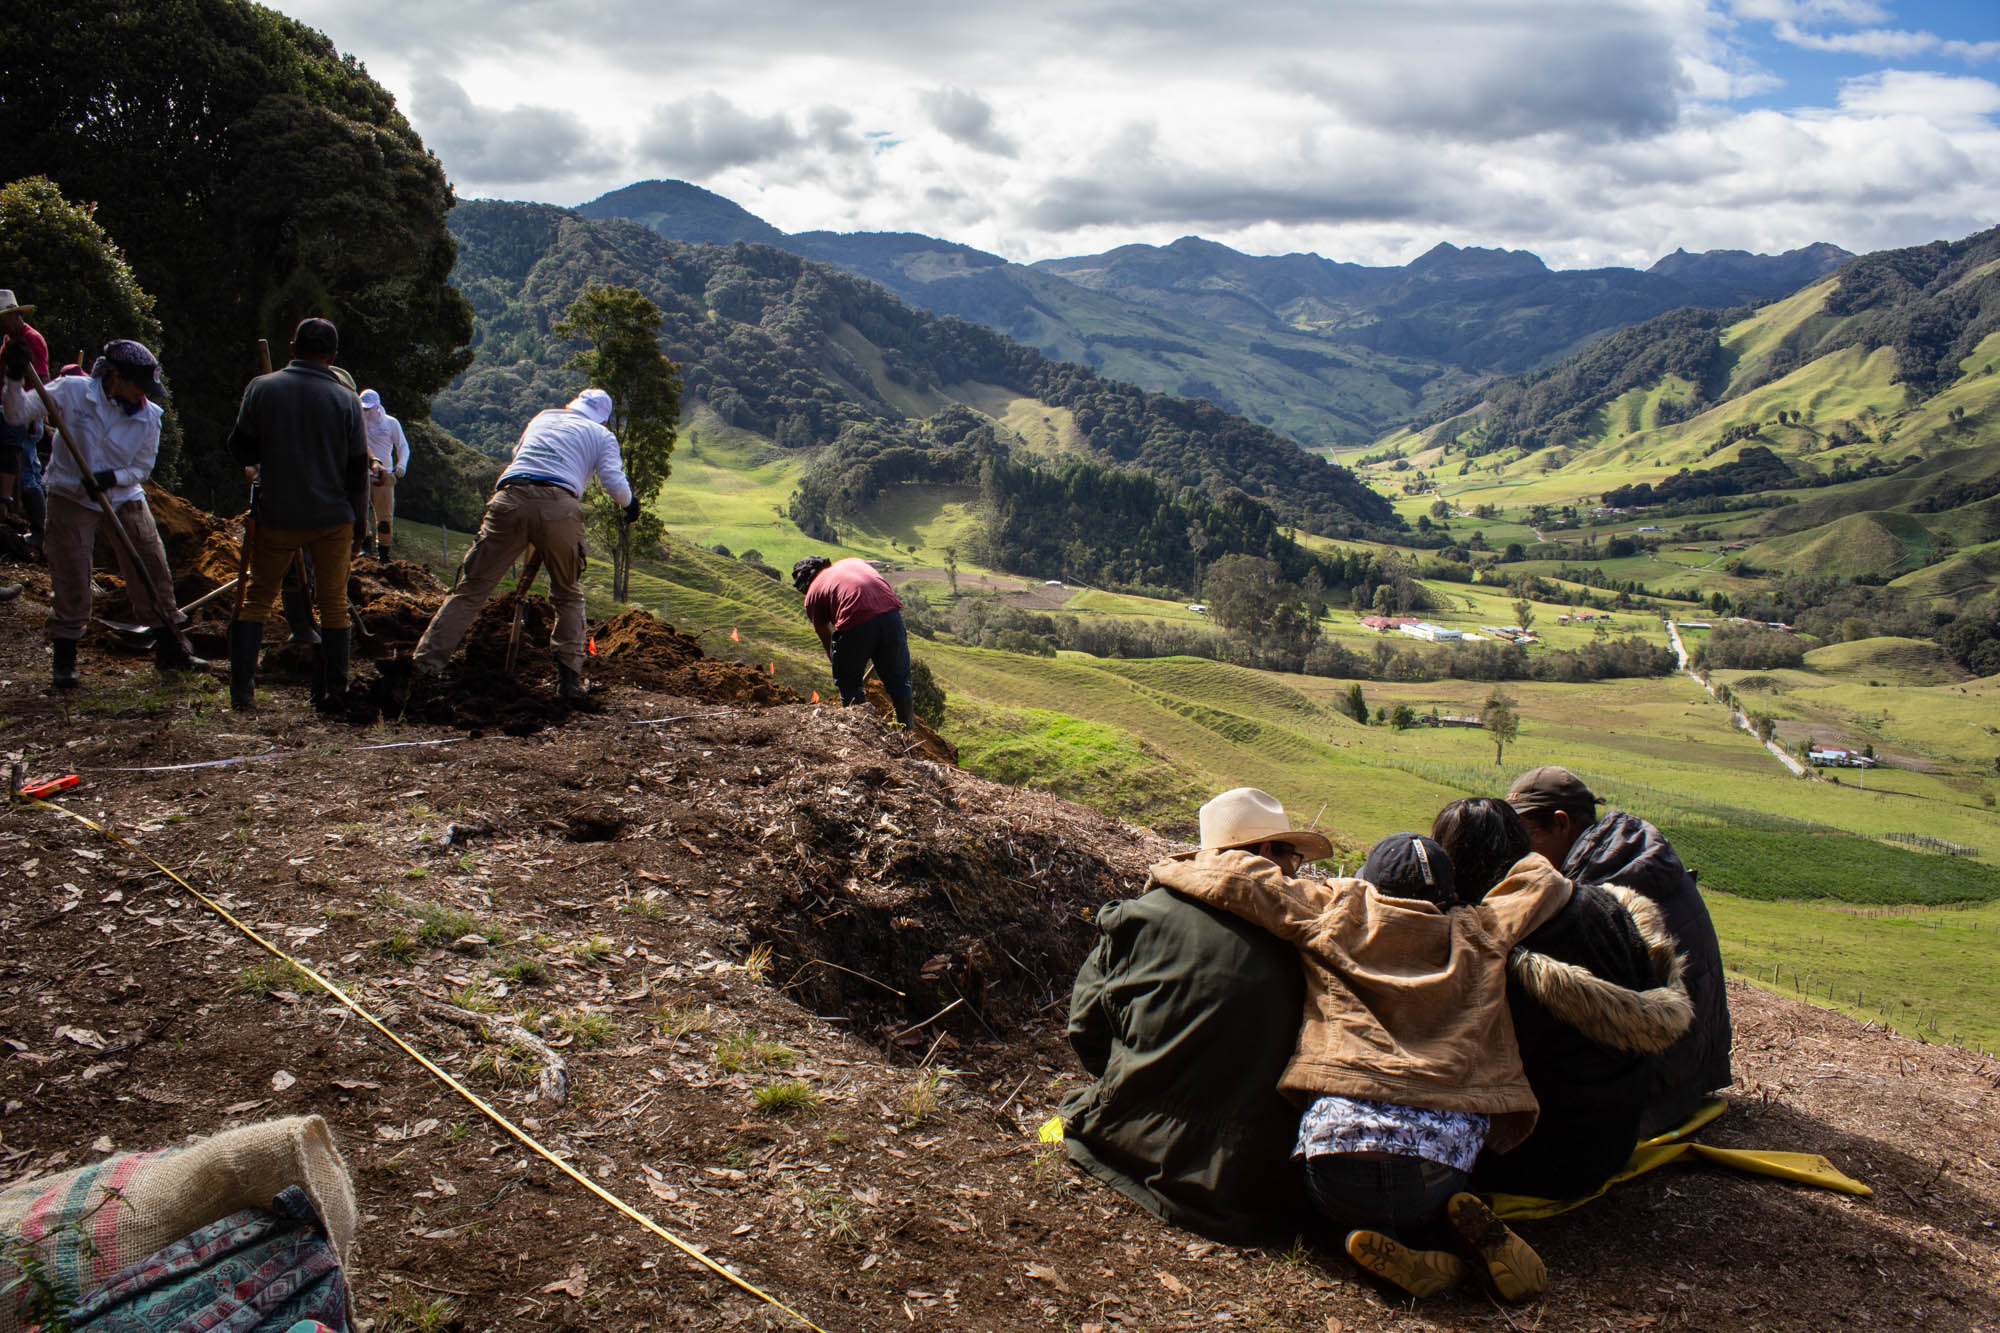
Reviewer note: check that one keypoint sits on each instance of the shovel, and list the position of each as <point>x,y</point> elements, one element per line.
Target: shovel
<point>142,636</point>
<point>521,589</point>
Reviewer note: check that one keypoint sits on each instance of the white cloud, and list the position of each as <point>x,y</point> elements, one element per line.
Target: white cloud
<point>1935,98</point>
<point>1586,130</point>
<point>503,146</point>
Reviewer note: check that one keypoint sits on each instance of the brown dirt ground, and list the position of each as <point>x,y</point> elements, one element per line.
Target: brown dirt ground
<point>915,917</point>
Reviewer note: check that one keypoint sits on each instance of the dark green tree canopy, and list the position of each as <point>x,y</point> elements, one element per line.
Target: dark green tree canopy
<point>253,175</point>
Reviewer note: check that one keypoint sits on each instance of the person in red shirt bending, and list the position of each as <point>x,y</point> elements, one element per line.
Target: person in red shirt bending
<point>860,620</point>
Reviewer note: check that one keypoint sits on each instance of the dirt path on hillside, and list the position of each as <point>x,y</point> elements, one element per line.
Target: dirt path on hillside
<point>694,899</point>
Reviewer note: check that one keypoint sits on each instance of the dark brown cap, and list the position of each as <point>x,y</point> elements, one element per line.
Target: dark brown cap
<point>1550,787</point>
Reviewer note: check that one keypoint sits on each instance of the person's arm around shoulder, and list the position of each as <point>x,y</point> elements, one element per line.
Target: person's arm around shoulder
<point>1526,900</point>
<point>1255,889</point>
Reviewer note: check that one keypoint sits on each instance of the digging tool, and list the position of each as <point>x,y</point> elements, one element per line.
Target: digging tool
<point>141,636</point>
<point>528,573</point>
<point>162,605</point>
<point>250,513</point>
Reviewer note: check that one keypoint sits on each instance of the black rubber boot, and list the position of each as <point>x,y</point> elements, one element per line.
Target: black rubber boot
<point>330,668</point>
<point>171,653</point>
<point>246,637</point>
<point>299,614</point>
<point>569,682</point>
<point>382,542</point>
<point>64,676</point>
<point>36,503</point>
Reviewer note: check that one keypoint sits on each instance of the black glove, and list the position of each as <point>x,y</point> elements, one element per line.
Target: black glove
<point>105,478</point>
<point>632,511</point>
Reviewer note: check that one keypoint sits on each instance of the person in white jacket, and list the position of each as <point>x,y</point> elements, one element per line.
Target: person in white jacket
<point>539,503</point>
<point>388,459</point>
<point>113,418</point>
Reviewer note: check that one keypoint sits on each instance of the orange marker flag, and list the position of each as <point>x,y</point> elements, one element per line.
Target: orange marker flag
<point>590,645</point>
<point>815,697</point>
<point>774,668</point>
<point>734,637</point>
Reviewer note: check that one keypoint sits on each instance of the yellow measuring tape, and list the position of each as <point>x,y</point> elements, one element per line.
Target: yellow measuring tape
<point>527,1140</point>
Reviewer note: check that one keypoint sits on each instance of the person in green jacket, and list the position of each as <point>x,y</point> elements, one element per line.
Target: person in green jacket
<point>1185,1016</point>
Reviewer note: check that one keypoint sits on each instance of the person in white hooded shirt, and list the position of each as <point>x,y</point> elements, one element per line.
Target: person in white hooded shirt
<point>539,503</point>
<point>388,459</point>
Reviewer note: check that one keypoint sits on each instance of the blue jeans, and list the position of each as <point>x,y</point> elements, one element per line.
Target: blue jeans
<point>1403,1197</point>
<point>884,642</point>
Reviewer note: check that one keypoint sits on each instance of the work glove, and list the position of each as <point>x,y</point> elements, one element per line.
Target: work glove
<point>632,511</point>
<point>105,478</point>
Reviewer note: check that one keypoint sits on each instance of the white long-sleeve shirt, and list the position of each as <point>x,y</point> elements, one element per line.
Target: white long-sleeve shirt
<point>387,444</point>
<point>126,445</point>
<point>565,448</point>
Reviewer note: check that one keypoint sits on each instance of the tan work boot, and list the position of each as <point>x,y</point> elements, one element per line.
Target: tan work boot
<point>1419,1272</point>
<point>1517,1271</point>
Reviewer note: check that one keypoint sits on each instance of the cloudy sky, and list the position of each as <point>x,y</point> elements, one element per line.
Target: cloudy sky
<point>1589,131</point>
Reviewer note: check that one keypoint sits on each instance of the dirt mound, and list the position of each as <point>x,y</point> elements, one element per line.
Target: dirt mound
<point>637,650</point>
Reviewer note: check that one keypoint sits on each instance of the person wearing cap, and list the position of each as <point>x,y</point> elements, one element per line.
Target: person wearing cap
<point>1185,1016</point>
<point>14,327</point>
<point>388,459</point>
<point>113,417</point>
<point>300,428</point>
<point>859,619</point>
<point>1596,991</point>
<point>1619,848</point>
<point>539,503</point>
<point>1406,1062</point>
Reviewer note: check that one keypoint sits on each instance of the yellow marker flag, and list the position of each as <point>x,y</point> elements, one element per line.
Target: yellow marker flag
<point>1051,1130</point>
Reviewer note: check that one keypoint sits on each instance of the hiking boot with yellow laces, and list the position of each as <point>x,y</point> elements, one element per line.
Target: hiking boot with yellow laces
<point>1419,1272</point>
<point>1517,1271</point>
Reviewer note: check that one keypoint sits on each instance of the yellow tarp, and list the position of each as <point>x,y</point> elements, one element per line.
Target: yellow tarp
<point>1803,1168</point>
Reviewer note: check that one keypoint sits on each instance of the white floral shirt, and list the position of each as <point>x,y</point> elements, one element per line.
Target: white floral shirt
<point>1350,1124</point>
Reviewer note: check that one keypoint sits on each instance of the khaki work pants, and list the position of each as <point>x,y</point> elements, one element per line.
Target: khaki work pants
<point>68,545</point>
<point>382,497</point>
<point>332,550</point>
<point>548,518</point>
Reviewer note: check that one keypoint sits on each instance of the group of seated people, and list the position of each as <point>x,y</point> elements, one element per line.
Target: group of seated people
<point>1508,1006</point>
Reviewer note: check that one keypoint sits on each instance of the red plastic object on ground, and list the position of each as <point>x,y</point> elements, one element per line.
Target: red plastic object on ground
<point>36,791</point>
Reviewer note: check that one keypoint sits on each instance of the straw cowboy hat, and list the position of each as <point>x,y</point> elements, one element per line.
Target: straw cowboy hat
<point>9,306</point>
<point>1244,817</point>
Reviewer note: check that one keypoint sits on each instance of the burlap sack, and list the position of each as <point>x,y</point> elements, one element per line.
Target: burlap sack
<point>161,1197</point>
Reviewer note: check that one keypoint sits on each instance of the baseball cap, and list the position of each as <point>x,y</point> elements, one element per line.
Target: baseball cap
<point>1550,787</point>
<point>133,361</point>
<point>1408,865</point>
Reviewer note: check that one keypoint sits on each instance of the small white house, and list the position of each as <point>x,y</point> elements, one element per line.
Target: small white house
<point>1429,633</point>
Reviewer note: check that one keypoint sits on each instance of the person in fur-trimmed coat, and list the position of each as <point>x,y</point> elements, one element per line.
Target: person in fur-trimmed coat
<point>1597,991</point>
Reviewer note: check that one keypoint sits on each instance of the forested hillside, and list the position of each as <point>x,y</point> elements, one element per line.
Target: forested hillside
<point>1329,353</point>
<point>815,360</point>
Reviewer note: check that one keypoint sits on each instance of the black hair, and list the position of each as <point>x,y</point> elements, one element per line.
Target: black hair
<point>806,570</point>
<point>315,337</point>
<point>1484,838</point>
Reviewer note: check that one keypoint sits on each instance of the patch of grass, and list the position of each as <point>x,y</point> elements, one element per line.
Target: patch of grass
<point>587,1027</point>
<point>921,1099</point>
<point>467,863</point>
<point>648,905</point>
<point>757,966</point>
<point>787,1098</point>
<point>510,1064</point>
<point>1832,867</point>
<point>473,1000</point>
<point>595,949</point>
<point>421,1314</point>
<point>401,946</point>
<point>678,1020</point>
<point>275,974</point>
<point>748,1052</point>
<point>519,971</point>
<point>839,1215</point>
<point>441,927</point>
<point>456,1131</point>
<point>417,872</point>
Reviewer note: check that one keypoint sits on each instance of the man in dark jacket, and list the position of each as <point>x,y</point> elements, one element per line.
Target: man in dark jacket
<point>302,429</point>
<point>1186,1016</point>
<point>1622,849</point>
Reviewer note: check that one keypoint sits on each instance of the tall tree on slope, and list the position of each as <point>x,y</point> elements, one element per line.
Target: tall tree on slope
<point>253,175</point>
